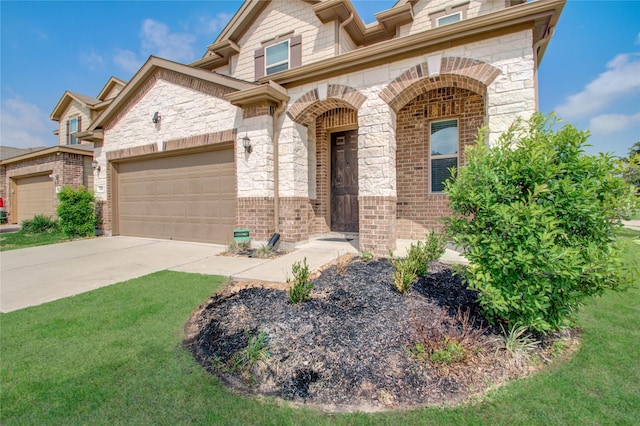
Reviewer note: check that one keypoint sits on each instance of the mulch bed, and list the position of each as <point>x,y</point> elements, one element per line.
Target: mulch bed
<point>352,346</point>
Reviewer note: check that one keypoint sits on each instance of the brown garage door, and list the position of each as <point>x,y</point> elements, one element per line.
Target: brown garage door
<point>34,195</point>
<point>187,197</point>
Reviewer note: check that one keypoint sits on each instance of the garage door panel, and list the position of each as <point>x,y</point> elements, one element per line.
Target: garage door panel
<point>188,197</point>
<point>35,195</point>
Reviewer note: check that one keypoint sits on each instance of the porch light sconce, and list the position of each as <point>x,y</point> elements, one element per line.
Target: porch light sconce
<point>54,177</point>
<point>95,166</point>
<point>156,118</point>
<point>246,143</point>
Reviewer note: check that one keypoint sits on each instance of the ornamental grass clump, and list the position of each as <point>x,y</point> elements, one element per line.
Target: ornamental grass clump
<point>537,218</point>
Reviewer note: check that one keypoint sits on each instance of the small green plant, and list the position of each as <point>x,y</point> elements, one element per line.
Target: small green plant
<point>424,252</point>
<point>558,348</point>
<point>301,288</point>
<point>265,251</point>
<point>367,256</point>
<point>257,350</point>
<point>451,353</point>
<point>39,224</point>
<point>238,247</point>
<point>516,340</point>
<point>404,273</point>
<point>77,212</point>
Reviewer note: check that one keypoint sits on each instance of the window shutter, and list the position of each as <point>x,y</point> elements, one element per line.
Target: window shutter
<point>259,63</point>
<point>296,51</point>
<point>79,126</point>
<point>68,135</point>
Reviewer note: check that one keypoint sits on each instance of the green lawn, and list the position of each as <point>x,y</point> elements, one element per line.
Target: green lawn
<point>113,356</point>
<point>17,240</point>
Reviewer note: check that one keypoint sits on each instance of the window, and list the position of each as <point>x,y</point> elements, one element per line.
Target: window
<point>444,152</point>
<point>449,19</point>
<point>73,126</point>
<point>279,54</point>
<point>277,57</point>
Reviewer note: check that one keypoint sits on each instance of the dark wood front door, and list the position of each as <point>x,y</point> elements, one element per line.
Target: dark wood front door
<point>344,181</point>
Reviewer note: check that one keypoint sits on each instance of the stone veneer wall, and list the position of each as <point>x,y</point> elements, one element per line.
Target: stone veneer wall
<point>419,211</point>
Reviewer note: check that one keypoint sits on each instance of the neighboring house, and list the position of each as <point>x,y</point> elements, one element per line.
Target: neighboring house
<point>300,119</point>
<point>30,180</point>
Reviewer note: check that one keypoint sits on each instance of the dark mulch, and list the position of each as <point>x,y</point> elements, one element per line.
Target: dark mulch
<point>352,346</point>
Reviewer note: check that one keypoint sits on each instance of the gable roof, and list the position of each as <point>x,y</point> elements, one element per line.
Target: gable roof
<point>149,68</point>
<point>67,98</point>
<point>113,82</point>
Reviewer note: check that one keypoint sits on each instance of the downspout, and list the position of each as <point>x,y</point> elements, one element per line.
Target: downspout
<point>344,24</point>
<point>536,47</point>
<point>276,165</point>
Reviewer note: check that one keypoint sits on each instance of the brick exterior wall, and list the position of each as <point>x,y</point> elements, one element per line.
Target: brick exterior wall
<point>419,211</point>
<point>295,213</point>
<point>257,214</point>
<point>69,168</point>
<point>377,224</point>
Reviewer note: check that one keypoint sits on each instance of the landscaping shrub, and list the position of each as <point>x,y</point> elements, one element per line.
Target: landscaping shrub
<point>426,251</point>
<point>76,211</point>
<point>536,217</point>
<point>39,224</point>
<point>404,273</point>
<point>301,288</point>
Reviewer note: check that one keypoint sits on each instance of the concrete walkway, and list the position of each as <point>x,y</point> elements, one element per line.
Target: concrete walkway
<point>36,275</point>
<point>632,224</point>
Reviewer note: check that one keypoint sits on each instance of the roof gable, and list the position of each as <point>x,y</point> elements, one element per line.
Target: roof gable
<point>148,71</point>
<point>108,88</point>
<point>67,98</point>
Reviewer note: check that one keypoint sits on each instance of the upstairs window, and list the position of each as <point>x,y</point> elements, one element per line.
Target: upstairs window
<point>444,152</point>
<point>73,126</point>
<point>449,19</point>
<point>278,54</point>
<point>277,57</point>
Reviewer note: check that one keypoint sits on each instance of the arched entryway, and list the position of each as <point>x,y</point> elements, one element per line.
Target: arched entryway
<point>436,119</point>
<point>333,156</point>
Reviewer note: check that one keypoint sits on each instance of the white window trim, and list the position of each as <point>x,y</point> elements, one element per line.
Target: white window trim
<point>70,136</point>
<point>447,16</point>
<point>266,57</point>
<point>442,157</point>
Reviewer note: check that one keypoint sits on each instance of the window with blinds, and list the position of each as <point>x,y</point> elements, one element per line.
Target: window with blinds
<point>444,152</point>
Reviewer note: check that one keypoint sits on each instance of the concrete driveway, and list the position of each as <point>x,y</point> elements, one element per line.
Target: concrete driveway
<point>36,275</point>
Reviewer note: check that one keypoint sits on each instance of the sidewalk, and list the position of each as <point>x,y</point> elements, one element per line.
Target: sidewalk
<point>632,224</point>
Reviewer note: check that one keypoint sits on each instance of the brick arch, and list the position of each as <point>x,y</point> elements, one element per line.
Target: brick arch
<point>465,73</point>
<point>309,106</point>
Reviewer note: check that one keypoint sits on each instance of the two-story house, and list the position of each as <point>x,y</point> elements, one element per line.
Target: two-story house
<point>30,182</point>
<point>301,119</point>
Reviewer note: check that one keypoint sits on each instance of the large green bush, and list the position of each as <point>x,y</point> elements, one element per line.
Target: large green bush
<point>76,211</point>
<point>536,217</point>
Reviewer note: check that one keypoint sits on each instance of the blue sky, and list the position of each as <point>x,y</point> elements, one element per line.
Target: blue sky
<point>590,74</point>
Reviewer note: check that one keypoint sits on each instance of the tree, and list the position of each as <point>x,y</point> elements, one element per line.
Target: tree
<point>631,172</point>
<point>536,217</point>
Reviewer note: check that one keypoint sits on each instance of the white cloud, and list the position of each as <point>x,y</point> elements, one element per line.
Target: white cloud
<point>92,60</point>
<point>212,26</point>
<point>621,79</point>
<point>607,124</point>
<point>24,125</point>
<point>127,60</point>
<point>158,40</point>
